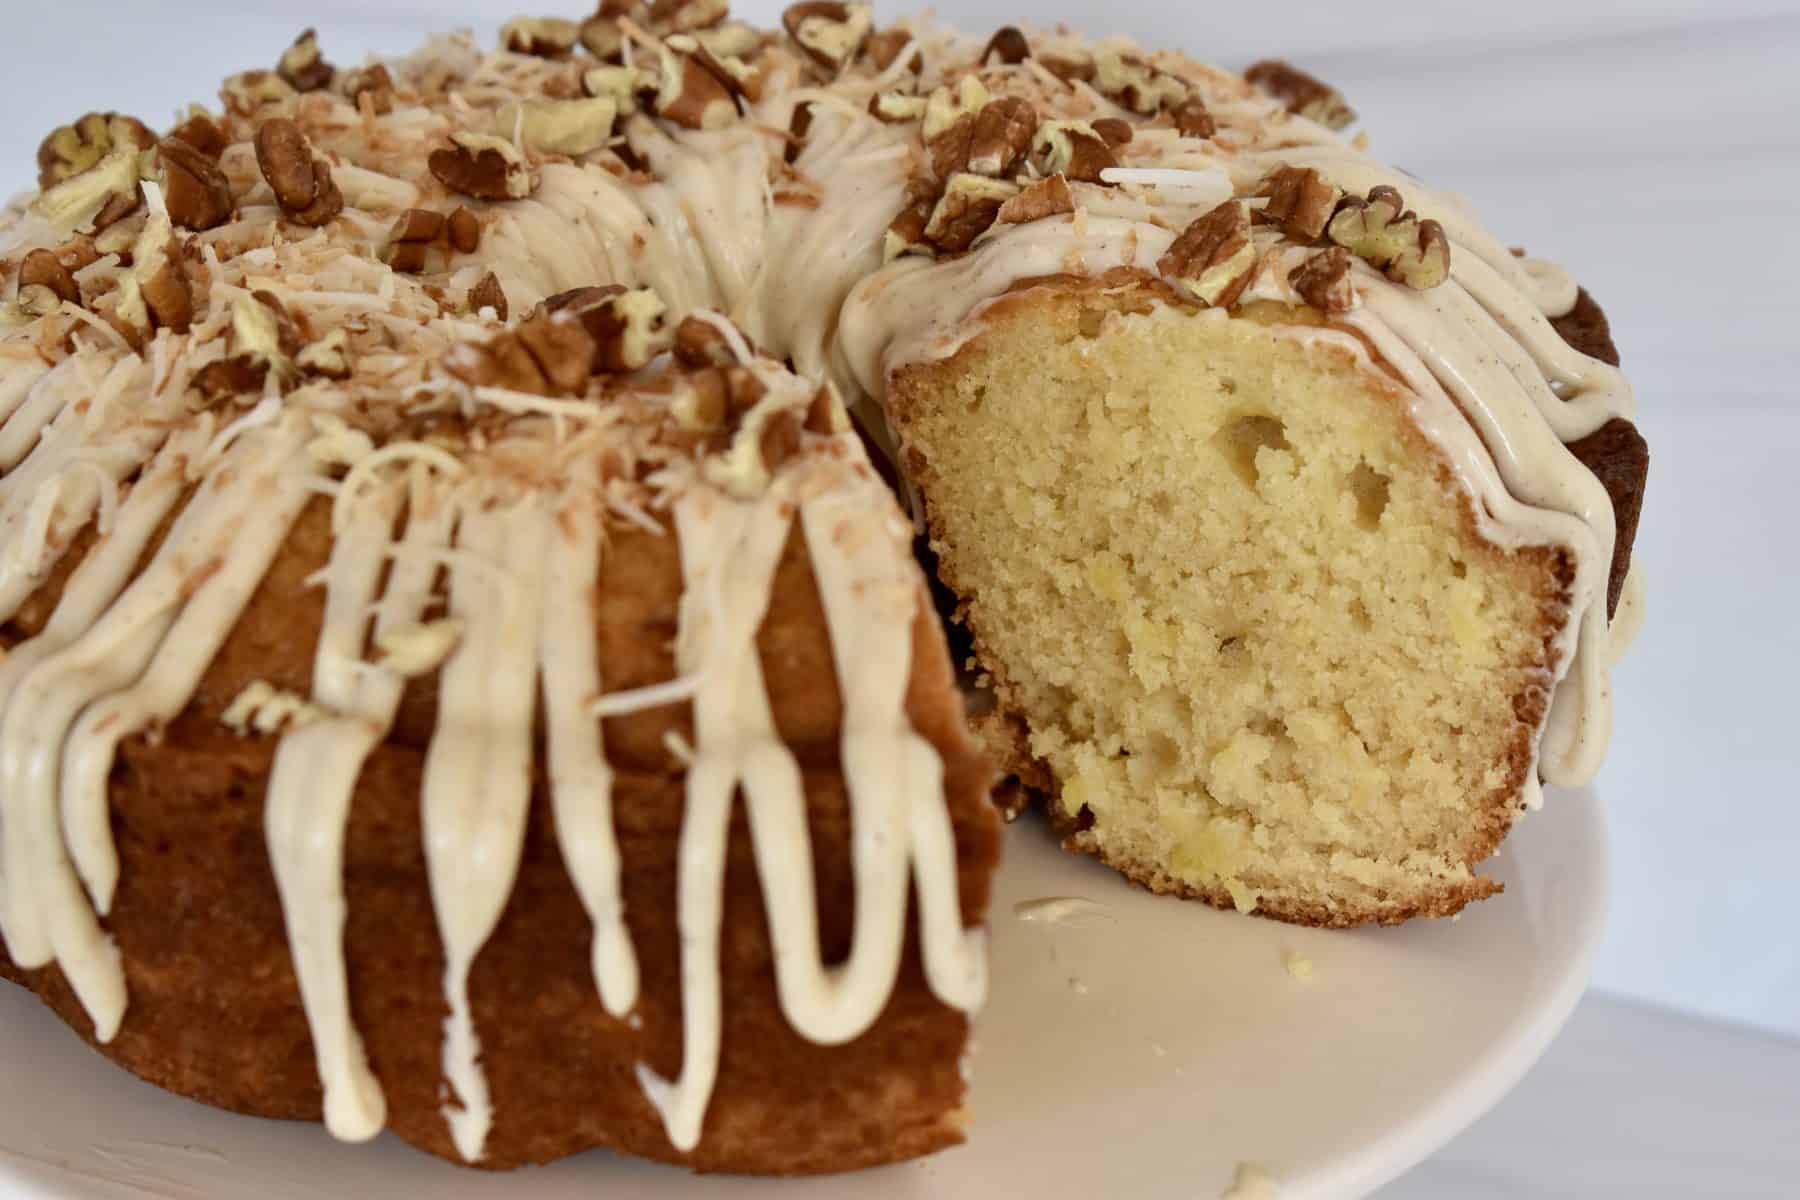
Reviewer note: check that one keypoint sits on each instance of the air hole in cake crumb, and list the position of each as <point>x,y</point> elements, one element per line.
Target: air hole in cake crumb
<point>1370,487</point>
<point>1459,568</point>
<point>1359,616</point>
<point>1233,651</point>
<point>1243,437</point>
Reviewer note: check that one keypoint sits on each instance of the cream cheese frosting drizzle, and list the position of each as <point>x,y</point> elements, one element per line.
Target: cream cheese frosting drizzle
<point>782,234</point>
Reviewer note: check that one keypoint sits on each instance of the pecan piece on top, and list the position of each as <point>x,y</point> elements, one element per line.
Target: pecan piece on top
<point>487,293</point>
<point>546,37</point>
<point>700,343</point>
<point>196,191</point>
<point>1192,119</point>
<point>1300,93</point>
<point>1301,201</point>
<point>302,183</point>
<point>372,81</point>
<point>1323,280</point>
<point>1380,230</point>
<point>689,94</point>
<point>1213,259</point>
<point>201,132</point>
<point>70,150</point>
<point>1071,148</point>
<point>464,230</point>
<point>970,205</point>
<point>628,326</point>
<point>42,268</point>
<point>302,66</point>
<point>548,354</point>
<point>686,16</point>
<point>1000,136</point>
<point>882,49</point>
<point>1136,84</point>
<point>409,243</point>
<point>483,166</point>
<point>1046,198</point>
<point>1008,44</point>
<point>830,33</point>
<point>1114,131</point>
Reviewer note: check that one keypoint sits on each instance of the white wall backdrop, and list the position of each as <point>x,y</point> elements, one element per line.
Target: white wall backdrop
<point>1653,146</point>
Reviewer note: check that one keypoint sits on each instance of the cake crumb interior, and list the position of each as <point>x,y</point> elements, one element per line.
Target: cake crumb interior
<point>1231,590</point>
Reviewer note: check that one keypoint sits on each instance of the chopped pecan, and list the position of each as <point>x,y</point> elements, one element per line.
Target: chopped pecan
<point>1046,198</point>
<point>42,268</point>
<point>906,233</point>
<point>1213,259</point>
<point>687,16</point>
<point>949,127</point>
<point>884,49</point>
<point>1114,131</point>
<point>33,301</point>
<point>302,67</point>
<point>571,127</point>
<point>1070,63</point>
<point>482,166</point>
<point>372,81</point>
<point>627,325</point>
<point>263,340</point>
<point>546,37</point>
<point>1000,136</point>
<point>545,355</point>
<point>830,33</point>
<point>195,190</point>
<point>700,343</point>
<point>155,293</point>
<point>487,293</point>
<point>602,33</point>
<point>1136,84</point>
<point>1008,44</point>
<point>970,205</point>
<point>99,196</point>
<point>618,84</point>
<point>70,150</point>
<point>1323,280</point>
<point>76,253</point>
<point>730,39</point>
<point>302,184</point>
<point>1380,230</point>
<point>715,397</point>
<point>1071,148</point>
<point>464,230</point>
<point>408,245</point>
<point>202,133</point>
<point>1300,93</point>
<point>689,94</point>
<point>1301,201</point>
<point>257,94</point>
<point>1192,119</point>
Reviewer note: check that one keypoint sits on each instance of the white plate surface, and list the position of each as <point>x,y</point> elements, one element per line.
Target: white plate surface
<point>1141,1050</point>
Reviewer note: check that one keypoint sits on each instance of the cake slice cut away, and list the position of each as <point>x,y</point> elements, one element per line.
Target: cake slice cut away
<point>1237,612</point>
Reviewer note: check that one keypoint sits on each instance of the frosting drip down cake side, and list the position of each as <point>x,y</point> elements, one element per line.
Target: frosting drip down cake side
<point>431,502</point>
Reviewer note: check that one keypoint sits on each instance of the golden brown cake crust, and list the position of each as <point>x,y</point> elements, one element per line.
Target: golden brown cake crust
<point>1005,734</point>
<point>215,1009</point>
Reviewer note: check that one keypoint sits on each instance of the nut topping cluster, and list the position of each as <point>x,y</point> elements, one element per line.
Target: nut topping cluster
<point>423,239</point>
<point>1380,230</point>
<point>71,150</point>
<point>195,190</point>
<point>301,181</point>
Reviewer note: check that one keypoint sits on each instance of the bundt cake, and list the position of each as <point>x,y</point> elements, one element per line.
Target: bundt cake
<point>428,505</point>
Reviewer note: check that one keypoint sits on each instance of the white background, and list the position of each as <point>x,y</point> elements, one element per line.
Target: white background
<point>1654,147</point>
